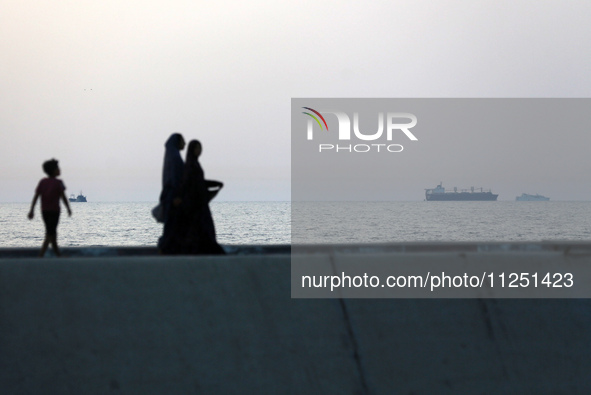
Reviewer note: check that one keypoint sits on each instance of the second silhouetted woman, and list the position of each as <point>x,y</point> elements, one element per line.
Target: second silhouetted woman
<point>196,230</point>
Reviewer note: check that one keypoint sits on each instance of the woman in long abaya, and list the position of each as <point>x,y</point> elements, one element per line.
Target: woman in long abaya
<point>196,223</point>
<point>172,175</point>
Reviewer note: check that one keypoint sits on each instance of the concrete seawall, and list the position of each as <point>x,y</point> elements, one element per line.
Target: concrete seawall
<point>221,325</point>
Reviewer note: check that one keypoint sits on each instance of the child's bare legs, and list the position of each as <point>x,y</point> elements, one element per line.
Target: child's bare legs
<point>49,239</point>
<point>44,246</point>
<point>53,241</point>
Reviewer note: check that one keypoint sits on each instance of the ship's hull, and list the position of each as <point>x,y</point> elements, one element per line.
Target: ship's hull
<point>461,196</point>
<point>532,198</point>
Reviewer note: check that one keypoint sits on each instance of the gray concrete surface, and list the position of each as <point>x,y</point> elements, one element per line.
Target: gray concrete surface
<point>227,325</point>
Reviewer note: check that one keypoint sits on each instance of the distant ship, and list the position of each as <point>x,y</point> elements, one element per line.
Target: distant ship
<point>531,198</point>
<point>439,194</point>
<point>80,198</point>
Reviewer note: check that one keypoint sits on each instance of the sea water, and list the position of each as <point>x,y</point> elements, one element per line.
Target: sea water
<point>384,222</point>
<point>131,224</point>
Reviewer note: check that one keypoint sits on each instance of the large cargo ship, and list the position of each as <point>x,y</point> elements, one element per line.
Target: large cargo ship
<point>531,198</point>
<point>439,194</point>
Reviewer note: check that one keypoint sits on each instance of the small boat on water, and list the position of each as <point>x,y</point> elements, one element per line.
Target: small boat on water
<point>80,198</point>
<point>531,198</point>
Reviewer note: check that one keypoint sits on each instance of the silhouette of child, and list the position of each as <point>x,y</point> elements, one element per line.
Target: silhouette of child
<point>51,190</point>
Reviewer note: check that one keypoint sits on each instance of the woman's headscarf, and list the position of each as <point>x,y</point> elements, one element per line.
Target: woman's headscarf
<point>193,184</point>
<point>172,171</point>
<point>193,171</point>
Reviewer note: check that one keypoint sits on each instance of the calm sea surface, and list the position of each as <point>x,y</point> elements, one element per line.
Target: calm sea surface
<point>131,224</point>
<point>383,222</point>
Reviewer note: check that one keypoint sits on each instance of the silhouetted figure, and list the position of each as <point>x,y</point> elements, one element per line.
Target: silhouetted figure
<point>51,189</point>
<point>172,174</point>
<point>195,226</point>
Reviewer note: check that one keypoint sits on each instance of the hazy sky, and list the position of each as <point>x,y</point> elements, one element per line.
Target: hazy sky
<point>100,85</point>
